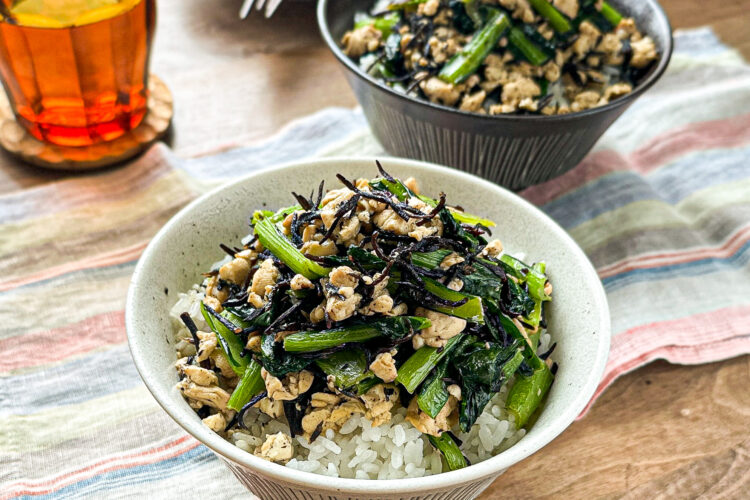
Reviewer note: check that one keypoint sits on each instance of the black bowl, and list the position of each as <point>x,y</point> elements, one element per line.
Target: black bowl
<point>514,151</point>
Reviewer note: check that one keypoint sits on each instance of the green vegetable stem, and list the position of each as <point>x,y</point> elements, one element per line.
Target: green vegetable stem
<point>552,15</point>
<point>230,343</point>
<point>527,393</point>
<point>395,327</point>
<point>269,236</point>
<point>529,49</point>
<point>451,453</point>
<point>250,384</point>
<point>464,64</point>
<point>433,395</point>
<point>420,364</point>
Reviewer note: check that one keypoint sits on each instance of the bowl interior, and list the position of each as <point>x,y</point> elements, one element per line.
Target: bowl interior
<point>188,244</point>
<point>335,17</point>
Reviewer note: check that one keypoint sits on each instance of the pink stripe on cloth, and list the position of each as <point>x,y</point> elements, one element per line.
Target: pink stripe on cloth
<point>700,338</point>
<point>684,355</point>
<point>113,463</point>
<point>127,254</point>
<point>39,348</point>
<point>726,133</point>
<point>647,261</point>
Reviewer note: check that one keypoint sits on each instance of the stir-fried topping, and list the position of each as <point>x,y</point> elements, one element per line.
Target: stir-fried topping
<point>410,305</point>
<point>502,56</point>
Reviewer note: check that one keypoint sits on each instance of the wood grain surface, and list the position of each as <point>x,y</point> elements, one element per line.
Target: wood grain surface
<point>663,431</point>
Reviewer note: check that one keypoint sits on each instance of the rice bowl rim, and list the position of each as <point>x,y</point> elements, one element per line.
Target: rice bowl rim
<point>528,445</point>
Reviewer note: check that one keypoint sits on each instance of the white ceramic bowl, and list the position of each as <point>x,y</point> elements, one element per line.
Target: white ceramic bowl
<point>188,244</point>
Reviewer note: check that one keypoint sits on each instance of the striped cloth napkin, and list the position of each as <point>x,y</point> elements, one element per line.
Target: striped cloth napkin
<point>661,206</point>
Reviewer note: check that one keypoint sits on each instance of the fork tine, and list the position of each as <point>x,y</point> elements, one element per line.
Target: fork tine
<point>272,6</point>
<point>245,9</point>
<point>259,5</point>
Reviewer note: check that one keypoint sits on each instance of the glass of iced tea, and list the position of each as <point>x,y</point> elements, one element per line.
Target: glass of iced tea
<point>76,71</point>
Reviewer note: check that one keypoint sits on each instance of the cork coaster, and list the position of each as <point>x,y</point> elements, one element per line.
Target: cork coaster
<point>17,141</point>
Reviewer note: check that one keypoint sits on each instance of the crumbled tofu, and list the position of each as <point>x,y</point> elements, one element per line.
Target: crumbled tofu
<point>381,302</point>
<point>216,422</point>
<point>429,8</point>
<point>221,363</point>
<point>315,420</point>
<point>520,9</point>
<point>235,271</point>
<point>274,408</point>
<point>299,282</point>
<point>567,7</point>
<point>206,347</point>
<point>494,248</point>
<point>585,100</point>
<point>309,231</point>
<point>379,400</point>
<point>329,413</point>
<point>318,249</point>
<point>611,46</point>
<point>265,276</point>
<point>442,422</point>
<point>318,314</point>
<point>276,448</point>
<point>616,90</point>
<point>389,220</point>
<point>215,396</point>
<point>451,260</point>
<point>343,412</point>
<point>587,38</point>
<point>253,343</point>
<point>199,375</point>
<point>323,399</point>
<point>473,102</point>
<point>343,276</point>
<point>255,300</point>
<point>213,303</point>
<point>551,71</point>
<point>384,367</point>
<point>455,284</point>
<point>518,90</point>
<point>442,50</point>
<point>644,51</point>
<point>362,40</point>
<point>288,388</point>
<point>342,304</point>
<point>439,91</point>
<point>442,328</point>
<point>455,391</point>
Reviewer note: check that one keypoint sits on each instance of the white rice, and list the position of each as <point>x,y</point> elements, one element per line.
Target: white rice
<point>390,451</point>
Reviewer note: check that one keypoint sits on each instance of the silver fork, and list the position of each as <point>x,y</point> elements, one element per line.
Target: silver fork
<point>270,5</point>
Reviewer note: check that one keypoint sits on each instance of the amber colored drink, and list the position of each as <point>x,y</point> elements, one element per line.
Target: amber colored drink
<point>76,71</point>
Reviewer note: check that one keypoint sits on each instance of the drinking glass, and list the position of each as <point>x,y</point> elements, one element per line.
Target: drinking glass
<point>76,71</point>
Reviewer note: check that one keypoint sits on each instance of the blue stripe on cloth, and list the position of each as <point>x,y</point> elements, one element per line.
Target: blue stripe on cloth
<point>100,484</point>
<point>694,268</point>
<point>670,184</point>
<point>81,380</point>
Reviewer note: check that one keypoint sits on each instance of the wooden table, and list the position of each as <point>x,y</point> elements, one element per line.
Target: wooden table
<point>662,431</point>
